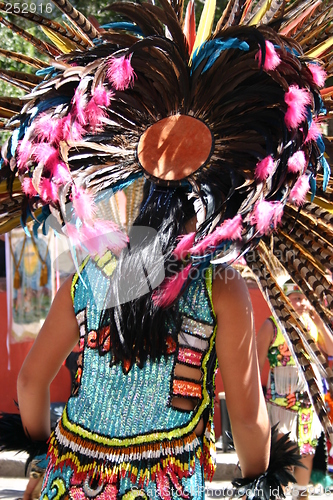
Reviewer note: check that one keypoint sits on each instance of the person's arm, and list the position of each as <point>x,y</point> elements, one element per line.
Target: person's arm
<point>56,339</point>
<point>237,357</point>
<point>264,339</point>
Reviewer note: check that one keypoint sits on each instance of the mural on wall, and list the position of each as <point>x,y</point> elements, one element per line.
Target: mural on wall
<point>31,283</point>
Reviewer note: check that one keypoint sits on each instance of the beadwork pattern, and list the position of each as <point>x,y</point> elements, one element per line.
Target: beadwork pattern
<point>119,426</point>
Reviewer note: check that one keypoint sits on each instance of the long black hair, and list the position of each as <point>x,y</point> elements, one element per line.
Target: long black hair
<point>138,327</point>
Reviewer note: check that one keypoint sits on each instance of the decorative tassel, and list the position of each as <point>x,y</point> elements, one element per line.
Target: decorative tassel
<point>184,246</point>
<point>272,59</point>
<point>171,288</point>
<point>298,193</point>
<point>264,168</point>
<point>318,73</point>
<point>44,275</point>
<point>17,280</point>
<point>297,162</point>
<point>297,100</point>
<point>120,72</point>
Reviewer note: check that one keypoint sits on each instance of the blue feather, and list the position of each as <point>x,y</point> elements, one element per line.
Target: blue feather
<point>326,171</point>
<point>212,50</point>
<point>133,28</point>
<point>313,186</point>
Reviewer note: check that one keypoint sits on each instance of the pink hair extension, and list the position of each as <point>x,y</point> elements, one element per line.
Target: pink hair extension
<point>318,73</point>
<point>80,103</point>
<point>171,288</point>
<point>231,229</point>
<point>120,72</point>
<point>83,204</point>
<point>28,188</point>
<point>297,162</point>
<point>297,99</point>
<point>48,129</point>
<point>184,246</point>
<point>264,168</point>
<point>24,153</point>
<point>298,193</point>
<point>272,59</point>
<point>262,216</point>
<point>48,191</point>
<point>314,132</point>
<point>101,96</point>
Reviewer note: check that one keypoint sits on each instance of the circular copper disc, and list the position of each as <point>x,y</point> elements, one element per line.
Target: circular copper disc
<point>175,147</point>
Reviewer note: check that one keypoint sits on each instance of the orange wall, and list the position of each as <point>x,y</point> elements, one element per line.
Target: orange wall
<point>60,387</point>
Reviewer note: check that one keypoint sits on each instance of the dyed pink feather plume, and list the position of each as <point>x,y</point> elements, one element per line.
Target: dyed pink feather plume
<point>297,99</point>
<point>24,153</point>
<point>272,59</point>
<point>83,204</point>
<point>48,129</point>
<point>71,129</point>
<point>314,132</point>
<point>231,229</point>
<point>318,73</point>
<point>184,246</point>
<point>28,187</point>
<point>171,288</point>
<point>94,114</point>
<point>266,215</point>
<point>48,191</point>
<point>80,103</point>
<point>264,168</point>
<point>120,72</point>
<point>298,193</point>
<point>297,162</point>
<point>101,96</point>
<point>61,174</point>
<point>102,236</point>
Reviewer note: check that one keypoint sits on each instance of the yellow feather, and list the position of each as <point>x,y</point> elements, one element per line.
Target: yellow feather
<point>59,41</point>
<point>205,25</point>
<point>319,49</point>
<point>321,203</point>
<point>260,14</point>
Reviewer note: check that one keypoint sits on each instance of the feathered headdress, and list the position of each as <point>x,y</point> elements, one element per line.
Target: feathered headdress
<point>231,116</point>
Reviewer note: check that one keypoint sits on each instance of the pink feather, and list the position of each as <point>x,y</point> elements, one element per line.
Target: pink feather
<point>48,129</point>
<point>45,153</point>
<point>101,96</point>
<point>298,193</point>
<point>94,114</point>
<point>120,72</point>
<point>83,203</point>
<point>71,129</point>
<point>272,59</point>
<point>185,244</point>
<point>318,73</point>
<point>48,191</point>
<point>262,216</point>
<point>101,236</point>
<point>80,103</point>
<point>264,168</point>
<point>171,288</point>
<point>24,153</point>
<point>73,233</point>
<point>297,162</point>
<point>28,187</point>
<point>277,213</point>
<point>314,132</point>
<point>231,229</point>
<point>61,174</point>
<point>297,99</point>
